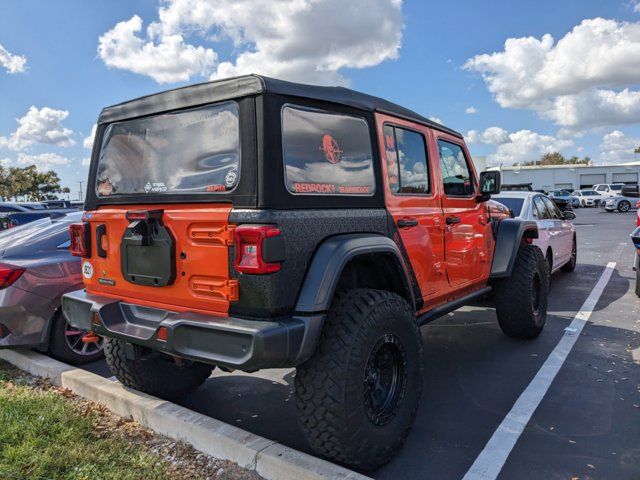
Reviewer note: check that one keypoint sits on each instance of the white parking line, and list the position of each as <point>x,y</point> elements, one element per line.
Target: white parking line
<point>491,460</point>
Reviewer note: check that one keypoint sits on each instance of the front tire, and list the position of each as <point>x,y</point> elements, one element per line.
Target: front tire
<point>521,300</point>
<point>357,397</point>
<point>153,372</point>
<point>624,206</point>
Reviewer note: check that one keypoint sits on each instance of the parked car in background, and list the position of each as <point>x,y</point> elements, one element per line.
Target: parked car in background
<point>608,189</point>
<point>562,198</point>
<point>516,187</point>
<point>587,198</point>
<point>36,268</point>
<point>13,214</point>
<point>619,203</point>
<point>556,233</point>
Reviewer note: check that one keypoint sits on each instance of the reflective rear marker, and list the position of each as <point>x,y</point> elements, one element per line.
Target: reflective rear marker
<point>495,453</point>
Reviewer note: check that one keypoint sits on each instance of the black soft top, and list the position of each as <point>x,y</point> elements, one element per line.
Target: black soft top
<point>219,90</point>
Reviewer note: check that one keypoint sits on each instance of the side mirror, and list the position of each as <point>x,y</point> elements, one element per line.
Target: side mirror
<point>490,183</point>
<point>630,191</point>
<point>568,215</point>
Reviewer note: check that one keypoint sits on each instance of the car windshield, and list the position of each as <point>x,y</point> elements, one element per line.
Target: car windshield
<point>513,204</point>
<point>190,151</point>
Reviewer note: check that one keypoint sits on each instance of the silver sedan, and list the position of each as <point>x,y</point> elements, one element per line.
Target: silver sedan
<point>36,269</point>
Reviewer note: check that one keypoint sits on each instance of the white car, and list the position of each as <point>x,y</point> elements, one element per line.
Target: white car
<point>608,189</point>
<point>556,233</point>
<point>588,198</point>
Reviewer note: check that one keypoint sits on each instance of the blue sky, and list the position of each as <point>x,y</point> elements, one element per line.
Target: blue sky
<point>579,95</point>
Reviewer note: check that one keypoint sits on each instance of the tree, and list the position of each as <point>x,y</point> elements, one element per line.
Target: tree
<point>29,183</point>
<point>552,158</point>
<point>636,152</point>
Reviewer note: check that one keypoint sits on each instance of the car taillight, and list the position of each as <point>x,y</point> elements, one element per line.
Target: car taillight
<point>80,239</point>
<point>259,249</point>
<point>9,274</point>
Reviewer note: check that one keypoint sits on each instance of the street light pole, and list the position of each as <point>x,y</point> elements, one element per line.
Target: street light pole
<point>80,182</point>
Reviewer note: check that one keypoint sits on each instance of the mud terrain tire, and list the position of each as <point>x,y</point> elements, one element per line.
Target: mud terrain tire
<point>156,374</point>
<point>521,300</point>
<point>357,397</point>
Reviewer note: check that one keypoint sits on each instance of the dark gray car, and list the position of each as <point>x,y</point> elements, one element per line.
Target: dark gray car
<point>36,268</point>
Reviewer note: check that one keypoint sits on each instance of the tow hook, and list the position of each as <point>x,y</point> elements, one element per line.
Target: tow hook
<point>90,337</point>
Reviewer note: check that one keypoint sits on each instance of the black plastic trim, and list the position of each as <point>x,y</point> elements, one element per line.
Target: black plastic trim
<point>438,312</point>
<point>509,236</point>
<point>330,259</point>
<point>101,231</point>
<point>231,342</point>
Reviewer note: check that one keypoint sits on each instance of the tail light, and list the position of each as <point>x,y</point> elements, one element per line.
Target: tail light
<point>80,239</point>
<point>9,274</point>
<point>259,249</point>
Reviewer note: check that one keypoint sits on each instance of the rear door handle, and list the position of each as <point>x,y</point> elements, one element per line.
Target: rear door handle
<point>452,220</point>
<point>407,222</point>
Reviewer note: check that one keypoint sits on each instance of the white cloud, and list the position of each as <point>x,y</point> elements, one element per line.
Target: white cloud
<point>88,141</point>
<point>636,8</point>
<point>437,120</point>
<point>617,147</point>
<point>12,63</point>
<point>571,81</point>
<point>595,107</point>
<point>40,126</point>
<point>166,58</point>
<point>520,146</point>
<point>86,161</point>
<point>44,161</point>
<point>5,162</point>
<point>300,40</point>
<point>491,136</point>
<point>525,145</point>
<point>471,110</point>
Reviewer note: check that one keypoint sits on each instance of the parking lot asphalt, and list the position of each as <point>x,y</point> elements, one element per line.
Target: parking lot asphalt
<point>587,425</point>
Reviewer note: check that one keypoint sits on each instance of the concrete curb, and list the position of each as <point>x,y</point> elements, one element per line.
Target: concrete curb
<point>269,459</point>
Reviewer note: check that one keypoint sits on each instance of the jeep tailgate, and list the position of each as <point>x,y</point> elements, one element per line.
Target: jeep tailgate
<point>202,238</point>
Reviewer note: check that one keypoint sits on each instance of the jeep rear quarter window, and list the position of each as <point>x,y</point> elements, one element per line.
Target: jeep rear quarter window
<point>189,151</point>
<point>326,153</point>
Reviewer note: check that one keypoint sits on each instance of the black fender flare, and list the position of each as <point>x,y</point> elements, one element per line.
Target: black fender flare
<point>509,235</point>
<point>332,256</point>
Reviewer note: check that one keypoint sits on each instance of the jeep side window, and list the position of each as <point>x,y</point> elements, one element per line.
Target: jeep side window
<point>543,213</point>
<point>326,153</point>
<point>456,175</point>
<point>406,156</point>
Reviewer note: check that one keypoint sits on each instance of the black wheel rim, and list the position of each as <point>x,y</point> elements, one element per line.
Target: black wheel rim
<point>535,293</point>
<point>384,379</point>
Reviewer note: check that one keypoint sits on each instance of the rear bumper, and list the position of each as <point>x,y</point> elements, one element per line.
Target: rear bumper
<point>225,341</point>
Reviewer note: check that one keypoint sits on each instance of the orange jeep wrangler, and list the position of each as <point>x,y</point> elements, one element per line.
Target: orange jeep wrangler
<point>253,223</point>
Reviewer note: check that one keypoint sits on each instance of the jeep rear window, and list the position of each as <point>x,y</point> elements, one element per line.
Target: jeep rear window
<point>326,153</point>
<point>190,151</point>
